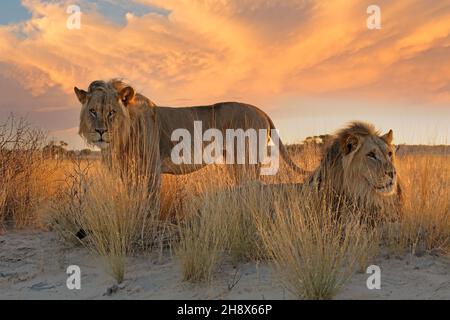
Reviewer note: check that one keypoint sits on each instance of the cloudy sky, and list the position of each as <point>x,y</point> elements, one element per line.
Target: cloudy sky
<point>311,65</point>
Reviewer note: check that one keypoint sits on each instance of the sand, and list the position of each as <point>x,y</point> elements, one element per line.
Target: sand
<point>33,266</point>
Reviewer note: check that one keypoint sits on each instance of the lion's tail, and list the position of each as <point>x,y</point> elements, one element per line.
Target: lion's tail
<point>285,155</point>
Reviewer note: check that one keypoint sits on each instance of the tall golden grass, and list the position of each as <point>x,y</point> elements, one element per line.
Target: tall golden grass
<point>425,222</point>
<point>218,225</point>
<point>118,217</point>
<point>209,220</point>
<point>315,244</point>
<point>24,175</point>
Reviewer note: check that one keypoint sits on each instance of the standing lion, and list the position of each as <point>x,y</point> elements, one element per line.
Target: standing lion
<point>358,168</point>
<point>130,128</point>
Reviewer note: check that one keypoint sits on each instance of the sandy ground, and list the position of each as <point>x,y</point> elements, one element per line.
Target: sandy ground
<point>33,266</point>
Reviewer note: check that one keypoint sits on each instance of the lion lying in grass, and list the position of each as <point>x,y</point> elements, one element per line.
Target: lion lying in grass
<point>358,166</point>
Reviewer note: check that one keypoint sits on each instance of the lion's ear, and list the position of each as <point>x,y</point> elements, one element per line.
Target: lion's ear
<point>349,143</point>
<point>126,95</point>
<point>81,95</point>
<point>388,137</point>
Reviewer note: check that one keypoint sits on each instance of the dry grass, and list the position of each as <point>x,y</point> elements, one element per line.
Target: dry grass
<point>221,226</point>
<point>314,253</point>
<point>24,174</point>
<point>425,222</point>
<point>314,249</point>
<point>68,206</point>
<point>201,243</point>
<point>120,220</point>
<point>117,222</point>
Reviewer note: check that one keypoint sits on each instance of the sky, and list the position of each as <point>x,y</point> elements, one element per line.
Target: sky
<point>312,65</point>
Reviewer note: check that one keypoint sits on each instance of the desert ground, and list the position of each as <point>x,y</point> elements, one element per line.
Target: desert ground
<point>34,263</point>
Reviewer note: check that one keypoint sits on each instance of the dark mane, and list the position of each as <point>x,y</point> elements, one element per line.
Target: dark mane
<point>333,153</point>
<point>357,128</point>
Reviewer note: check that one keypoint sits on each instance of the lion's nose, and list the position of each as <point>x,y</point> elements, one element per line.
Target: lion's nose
<point>101,131</point>
<point>391,174</point>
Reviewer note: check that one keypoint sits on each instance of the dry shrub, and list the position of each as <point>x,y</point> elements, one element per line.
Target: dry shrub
<point>68,206</point>
<point>24,175</point>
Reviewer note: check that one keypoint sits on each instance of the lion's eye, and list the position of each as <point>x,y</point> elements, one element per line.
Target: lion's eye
<point>111,113</point>
<point>92,111</point>
<point>390,154</point>
<point>372,155</point>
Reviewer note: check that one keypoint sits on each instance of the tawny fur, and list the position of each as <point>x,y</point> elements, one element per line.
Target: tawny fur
<point>348,169</point>
<point>141,129</point>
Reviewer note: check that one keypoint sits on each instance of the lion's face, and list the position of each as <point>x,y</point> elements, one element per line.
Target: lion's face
<point>369,164</point>
<point>104,115</point>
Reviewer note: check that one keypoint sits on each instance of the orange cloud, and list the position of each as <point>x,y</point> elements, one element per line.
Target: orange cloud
<point>207,50</point>
<point>254,51</point>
